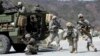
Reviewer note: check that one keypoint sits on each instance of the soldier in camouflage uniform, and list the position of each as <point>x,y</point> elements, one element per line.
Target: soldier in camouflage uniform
<point>53,28</point>
<point>84,28</point>
<point>22,18</point>
<point>31,44</point>
<point>72,36</point>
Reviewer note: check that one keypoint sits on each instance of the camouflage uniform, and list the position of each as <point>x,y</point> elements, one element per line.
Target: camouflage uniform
<point>84,28</point>
<point>72,36</point>
<point>22,19</point>
<point>53,28</point>
<point>31,44</point>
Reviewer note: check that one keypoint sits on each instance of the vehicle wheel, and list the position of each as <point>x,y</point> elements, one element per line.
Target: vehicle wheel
<point>19,47</point>
<point>5,44</point>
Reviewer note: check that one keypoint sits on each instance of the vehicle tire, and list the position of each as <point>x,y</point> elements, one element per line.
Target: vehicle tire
<point>5,44</point>
<point>19,47</point>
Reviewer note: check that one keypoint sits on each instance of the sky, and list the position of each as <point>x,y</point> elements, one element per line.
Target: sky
<point>79,0</point>
<point>86,0</point>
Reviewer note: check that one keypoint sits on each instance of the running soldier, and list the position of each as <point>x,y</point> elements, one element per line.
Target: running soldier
<point>53,28</point>
<point>72,36</point>
<point>84,28</point>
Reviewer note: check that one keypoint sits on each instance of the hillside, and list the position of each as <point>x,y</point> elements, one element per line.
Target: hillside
<point>69,9</point>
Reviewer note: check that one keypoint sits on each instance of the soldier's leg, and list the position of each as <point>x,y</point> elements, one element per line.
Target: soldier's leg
<point>88,46</point>
<point>31,49</point>
<point>58,42</point>
<point>28,50</point>
<point>51,38</point>
<point>58,39</point>
<point>70,44</point>
<point>89,43</point>
<point>34,49</point>
<point>75,44</point>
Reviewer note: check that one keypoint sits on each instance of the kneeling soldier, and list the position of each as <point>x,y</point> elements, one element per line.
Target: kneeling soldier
<point>72,36</point>
<point>31,44</point>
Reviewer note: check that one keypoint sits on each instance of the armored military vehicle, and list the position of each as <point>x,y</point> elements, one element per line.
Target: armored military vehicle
<point>9,35</point>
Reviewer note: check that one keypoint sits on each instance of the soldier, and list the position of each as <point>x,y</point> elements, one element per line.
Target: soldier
<point>22,19</point>
<point>31,24</point>
<point>84,28</point>
<point>72,36</point>
<point>53,28</point>
<point>1,7</point>
<point>31,44</point>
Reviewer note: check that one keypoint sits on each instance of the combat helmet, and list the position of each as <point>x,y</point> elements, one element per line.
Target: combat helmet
<point>19,3</point>
<point>80,15</point>
<point>69,24</point>
<point>54,17</point>
<point>27,35</point>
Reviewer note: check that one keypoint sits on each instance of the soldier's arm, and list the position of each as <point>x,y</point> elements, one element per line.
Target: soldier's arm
<point>76,32</point>
<point>50,25</point>
<point>78,25</point>
<point>22,10</point>
<point>65,33</point>
<point>24,41</point>
<point>32,41</point>
<point>59,25</point>
<point>88,23</point>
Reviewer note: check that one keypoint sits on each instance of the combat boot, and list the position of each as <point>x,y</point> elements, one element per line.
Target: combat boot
<point>75,50</point>
<point>59,48</point>
<point>35,52</point>
<point>71,51</point>
<point>28,53</point>
<point>95,50</point>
